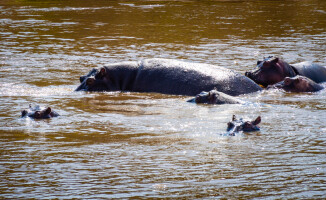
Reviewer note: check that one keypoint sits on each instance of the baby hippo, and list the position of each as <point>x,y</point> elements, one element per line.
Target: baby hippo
<point>236,126</point>
<point>39,113</point>
<point>298,84</point>
<point>214,97</point>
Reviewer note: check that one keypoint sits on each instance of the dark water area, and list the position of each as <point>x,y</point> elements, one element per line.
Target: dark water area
<point>143,145</point>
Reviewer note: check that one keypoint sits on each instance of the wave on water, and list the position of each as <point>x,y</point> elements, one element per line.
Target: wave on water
<point>14,89</point>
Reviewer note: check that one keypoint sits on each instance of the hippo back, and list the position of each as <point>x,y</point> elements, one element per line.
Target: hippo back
<point>311,70</point>
<point>185,78</point>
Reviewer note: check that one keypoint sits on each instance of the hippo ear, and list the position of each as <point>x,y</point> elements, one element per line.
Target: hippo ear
<point>102,71</point>
<point>275,60</point>
<point>297,80</point>
<point>257,120</point>
<point>209,95</point>
<point>90,81</point>
<point>48,111</point>
<point>24,113</point>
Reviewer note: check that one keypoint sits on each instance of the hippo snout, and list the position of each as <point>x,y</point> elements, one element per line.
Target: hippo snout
<point>248,74</point>
<point>82,78</point>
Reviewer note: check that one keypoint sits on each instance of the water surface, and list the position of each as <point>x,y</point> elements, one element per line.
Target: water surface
<point>129,145</point>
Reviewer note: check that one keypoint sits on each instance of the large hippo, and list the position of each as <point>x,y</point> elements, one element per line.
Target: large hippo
<point>166,76</point>
<point>236,126</point>
<point>298,84</point>
<point>38,112</point>
<point>273,70</point>
<point>214,97</point>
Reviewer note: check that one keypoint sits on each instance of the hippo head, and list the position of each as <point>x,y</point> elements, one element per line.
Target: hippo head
<point>207,97</point>
<point>91,84</point>
<point>38,113</point>
<point>235,125</point>
<point>94,81</point>
<point>298,84</point>
<point>214,97</point>
<point>270,71</point>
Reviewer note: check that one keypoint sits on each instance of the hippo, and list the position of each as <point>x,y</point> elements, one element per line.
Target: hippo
<point>166,76</point>
<point>273,70</point>
<point>214,97</point>
<point>236,126</point>
<point>39,113</point>
<point>298,84</point>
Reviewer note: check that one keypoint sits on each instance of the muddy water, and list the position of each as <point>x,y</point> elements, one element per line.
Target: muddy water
<point>129,145</point>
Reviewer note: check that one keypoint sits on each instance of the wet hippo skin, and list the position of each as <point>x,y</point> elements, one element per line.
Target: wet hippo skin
<point>166,76</point>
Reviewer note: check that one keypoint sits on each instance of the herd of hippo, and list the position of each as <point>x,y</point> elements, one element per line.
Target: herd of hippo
<point>208,83</point>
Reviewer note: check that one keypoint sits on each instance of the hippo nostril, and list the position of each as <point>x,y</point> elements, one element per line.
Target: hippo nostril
<point>247,74</point>
<point>82,78</point>
<point>197,99</point>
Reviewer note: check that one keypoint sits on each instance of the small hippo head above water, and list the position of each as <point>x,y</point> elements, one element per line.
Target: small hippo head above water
<point>270,71</point>
<point>298,84</point>
<point>214,97</point>
<point>236,126</point>
<point>39,113</point>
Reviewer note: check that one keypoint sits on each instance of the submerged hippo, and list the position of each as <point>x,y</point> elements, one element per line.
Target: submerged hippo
<point>236,126</point>
<point>38,113</point>
<point>298,84</point>
<point>273,70</point>
<point>167,77</point>
<point>214,97</point>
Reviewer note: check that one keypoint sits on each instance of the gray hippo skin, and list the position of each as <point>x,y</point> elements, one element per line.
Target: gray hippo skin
<point>39,113</point>
<point>167,77</point>
<point>298,84</point>
<point>214,97</point>
<point>236,126</point>
<point>273,70</point>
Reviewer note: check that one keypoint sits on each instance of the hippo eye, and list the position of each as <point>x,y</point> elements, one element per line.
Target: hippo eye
<point>90,81</point>
<point>37,114</point>
<point>287,81</point>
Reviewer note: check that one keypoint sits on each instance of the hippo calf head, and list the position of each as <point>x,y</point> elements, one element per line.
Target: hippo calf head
<point>298,84</point>
<point>270,71</point>
<point>39,113</point>
<point>214,97</point>
<point>235,126</point>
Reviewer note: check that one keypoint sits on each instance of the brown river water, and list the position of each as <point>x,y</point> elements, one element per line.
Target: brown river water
<point>116,145</point>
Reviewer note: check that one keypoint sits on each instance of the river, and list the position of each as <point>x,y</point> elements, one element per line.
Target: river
<point>114,145</point>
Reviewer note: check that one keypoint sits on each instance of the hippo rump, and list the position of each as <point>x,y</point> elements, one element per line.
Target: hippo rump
<point>38,112</point>
<point>166,76</point>
<point>214,97</point>
<point>298,84</point>
<point>273,70</point>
